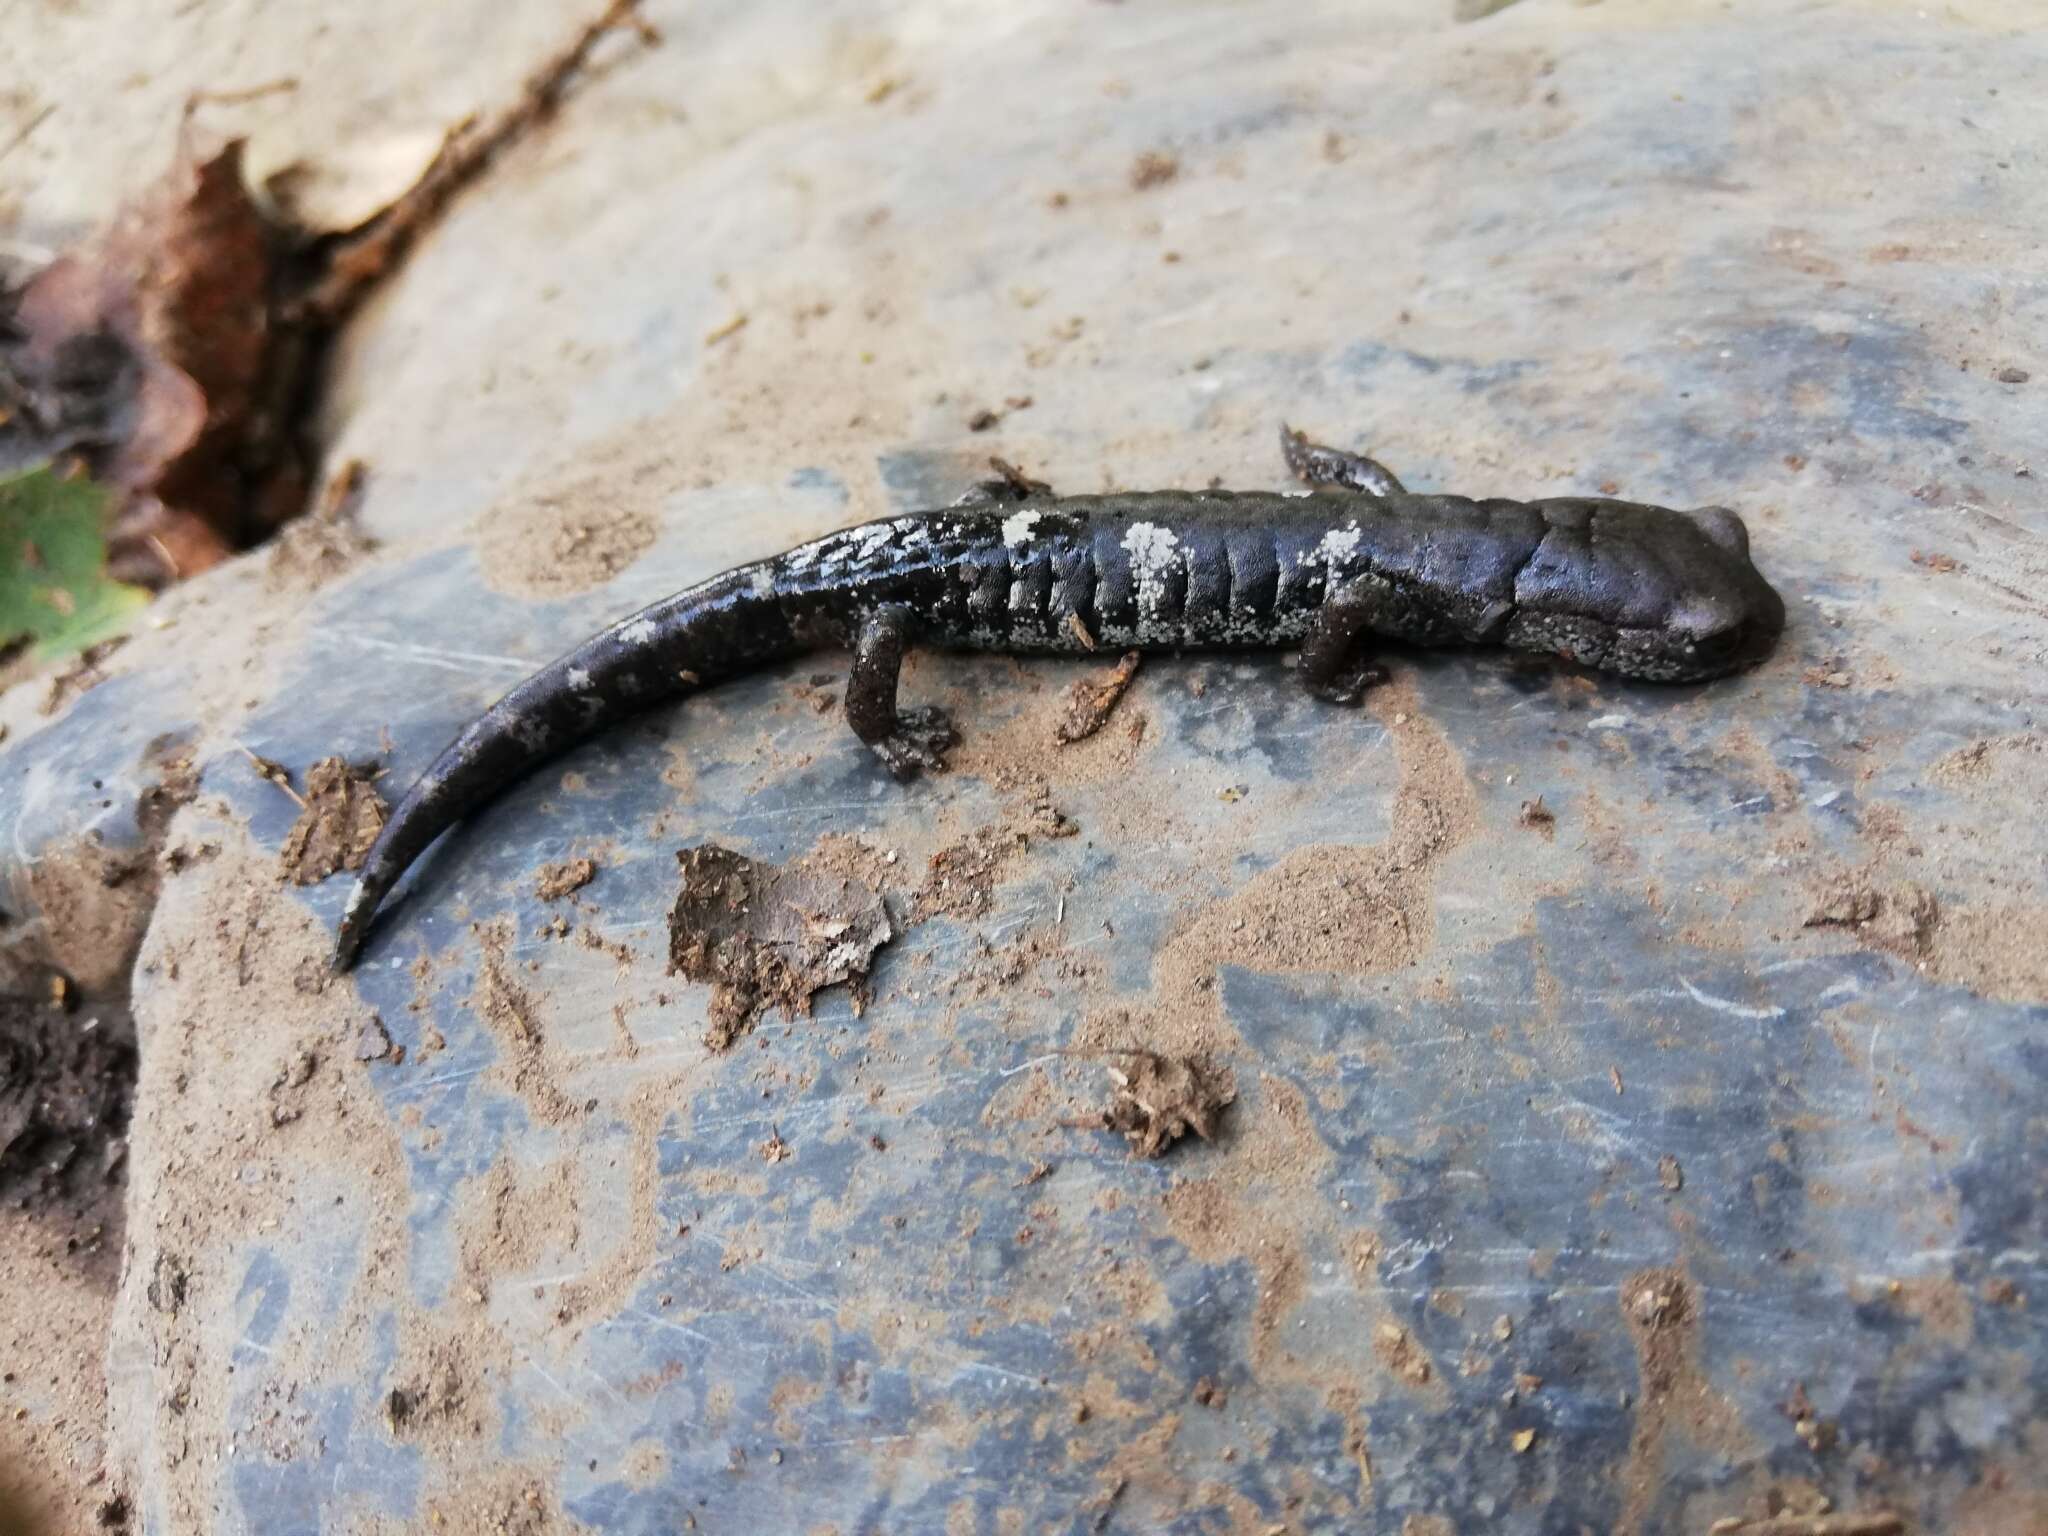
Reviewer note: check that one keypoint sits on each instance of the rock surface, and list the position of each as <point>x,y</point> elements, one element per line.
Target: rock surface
<point>1752,1178</point>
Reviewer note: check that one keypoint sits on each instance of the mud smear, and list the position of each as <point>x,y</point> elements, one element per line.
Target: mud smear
<point>67,1037</point>
<point>1897,916</point>
<point>769,937</point>
<point>68,1072</point>
<point>1991,948</point>
<point>65,1083</point>
<point>556,881</point>
<point>961,878</point>
<point>1349,909</point>
<point>341,814</point>
<point>514,1017</point>
<point>1662,1314</point>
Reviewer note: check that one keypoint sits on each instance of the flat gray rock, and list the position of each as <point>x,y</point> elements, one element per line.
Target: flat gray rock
<point>1673,1157</point>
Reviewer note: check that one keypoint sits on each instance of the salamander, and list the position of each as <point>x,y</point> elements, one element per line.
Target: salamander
<point>1640,591</point>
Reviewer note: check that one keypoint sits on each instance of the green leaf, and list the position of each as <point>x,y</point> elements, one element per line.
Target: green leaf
<point>54,587</point>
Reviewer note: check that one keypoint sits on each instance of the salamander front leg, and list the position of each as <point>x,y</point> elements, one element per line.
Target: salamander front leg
<point>907,740</point>
<point>1313,464</point>
<point>1334,663</point>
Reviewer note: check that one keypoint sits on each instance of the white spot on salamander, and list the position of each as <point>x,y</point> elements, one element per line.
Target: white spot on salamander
<point>1153,551</point>
<point>762,581</point>
<point>1018,526</point>
<point>578,679</point>
<point>639,632</point>
<point>1339,543</point>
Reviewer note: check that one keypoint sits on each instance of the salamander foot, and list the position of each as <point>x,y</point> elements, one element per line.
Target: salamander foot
<point>1349,686</point>
<point>920,741</point>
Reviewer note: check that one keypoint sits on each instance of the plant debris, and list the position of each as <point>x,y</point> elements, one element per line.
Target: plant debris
<point>731,327</point>
<point>341,817</point>
<point>54,587</point>
<point>987,417</point>
<point>1163,1098</point>
<point>178,355</point>
<point>768,936</point>
<point>558,880</point>
<point>1876,1523</point>
<point>1089,703</point>
<point>359,262</point>
<point>1539,817</point>
<point>271,771</point>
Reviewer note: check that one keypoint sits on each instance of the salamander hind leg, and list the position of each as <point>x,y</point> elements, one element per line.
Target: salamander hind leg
<point>1335,663</point>
<point>1314,464</point>
<point>1014,486</point>
<point>905,740</point>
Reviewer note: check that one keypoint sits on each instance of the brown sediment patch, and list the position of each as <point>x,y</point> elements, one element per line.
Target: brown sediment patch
<point>509,1501</point>
<point>1992,948</point>
<point>514,1017</point>
<point>1401,1354</point>
<point>228,1029</point>
<point>574,535</point>
<point>1995,762</point>
<point>559,539</point>
<point>340,815</point>
<point>1349,909</point>
<point>1996,950</point>
<point>1661,1310</point>
<point>961,878</point>
<point>1012,753</point>
<point>1898,916</point>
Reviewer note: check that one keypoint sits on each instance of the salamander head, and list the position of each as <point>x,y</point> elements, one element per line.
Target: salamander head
<point>1724,616</point>
<point>1647,592</point>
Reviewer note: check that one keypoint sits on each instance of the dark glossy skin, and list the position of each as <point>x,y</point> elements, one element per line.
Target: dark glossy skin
<point>1643,592</point>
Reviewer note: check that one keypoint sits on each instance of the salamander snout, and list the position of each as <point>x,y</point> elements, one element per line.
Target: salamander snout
<point>1729,620</point>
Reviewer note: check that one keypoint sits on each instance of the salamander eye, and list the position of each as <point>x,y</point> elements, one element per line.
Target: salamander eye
<point>1723,528</point>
